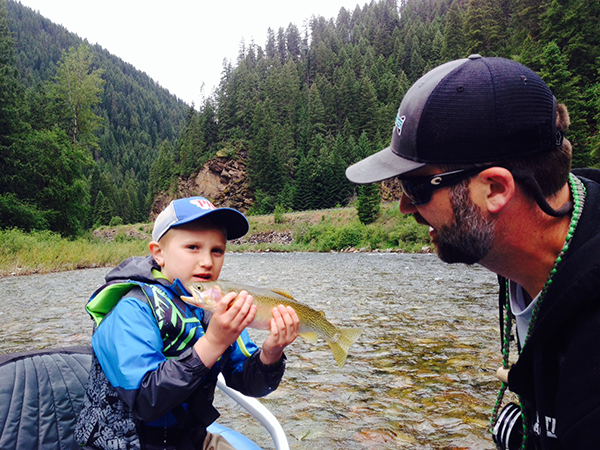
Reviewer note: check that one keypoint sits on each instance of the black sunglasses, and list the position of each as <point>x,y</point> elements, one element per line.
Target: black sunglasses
<point>419,189</point>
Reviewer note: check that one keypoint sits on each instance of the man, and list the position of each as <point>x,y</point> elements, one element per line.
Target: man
<point>478,146</point>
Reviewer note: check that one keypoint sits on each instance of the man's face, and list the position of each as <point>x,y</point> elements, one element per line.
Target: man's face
<point>457,227</point>
<point>469,238</point>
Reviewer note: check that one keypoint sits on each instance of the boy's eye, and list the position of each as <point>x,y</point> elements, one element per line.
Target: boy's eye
<point>219,251</point>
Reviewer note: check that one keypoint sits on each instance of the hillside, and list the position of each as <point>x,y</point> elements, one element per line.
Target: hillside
<point>287,118</point>
<point>137,114</point>
<point>224,180</point>
<point>308,103</point>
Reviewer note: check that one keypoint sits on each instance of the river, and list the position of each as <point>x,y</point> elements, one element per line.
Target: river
<point>420,376</point>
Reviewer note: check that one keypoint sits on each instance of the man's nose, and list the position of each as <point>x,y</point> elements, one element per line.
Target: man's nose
<point>406,206</point>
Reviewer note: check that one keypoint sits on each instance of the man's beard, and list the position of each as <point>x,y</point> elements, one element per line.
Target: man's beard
<point>469,239</point>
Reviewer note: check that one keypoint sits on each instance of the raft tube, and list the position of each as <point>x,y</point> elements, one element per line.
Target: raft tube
<point>42,391</point>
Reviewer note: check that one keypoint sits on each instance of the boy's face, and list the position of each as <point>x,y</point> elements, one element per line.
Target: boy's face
<point>192,253</point>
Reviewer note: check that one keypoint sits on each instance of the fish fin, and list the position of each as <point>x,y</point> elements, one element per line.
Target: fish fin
<point>339,353</point>
<point>340,348</point>
<point>283,293</point>
<point>309,336</point>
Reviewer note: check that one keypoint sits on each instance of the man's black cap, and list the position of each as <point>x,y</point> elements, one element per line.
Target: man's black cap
<point>467,111</point>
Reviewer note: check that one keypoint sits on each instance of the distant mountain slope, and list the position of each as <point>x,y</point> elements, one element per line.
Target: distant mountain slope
<point>138,113</point>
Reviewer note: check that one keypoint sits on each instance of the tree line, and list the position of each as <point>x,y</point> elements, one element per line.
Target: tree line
<point>134,116</point>
<point>311,101</point>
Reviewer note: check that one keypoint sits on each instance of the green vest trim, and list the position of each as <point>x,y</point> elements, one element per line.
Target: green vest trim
<point>174,327</point>
<point>99,306</point>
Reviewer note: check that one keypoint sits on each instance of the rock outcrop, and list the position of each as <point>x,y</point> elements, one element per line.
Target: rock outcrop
<point>223,180</point>
<point>391,190</point>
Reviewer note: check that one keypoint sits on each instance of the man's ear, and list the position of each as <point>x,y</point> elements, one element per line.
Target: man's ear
<point>496,187</point>
<point>156,252</point>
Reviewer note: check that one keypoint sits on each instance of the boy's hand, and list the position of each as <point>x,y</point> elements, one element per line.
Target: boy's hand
<point>225,326</point>
<point>284,330</point>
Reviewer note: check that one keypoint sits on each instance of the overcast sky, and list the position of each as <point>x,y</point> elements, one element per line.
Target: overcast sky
<point>181,43</point>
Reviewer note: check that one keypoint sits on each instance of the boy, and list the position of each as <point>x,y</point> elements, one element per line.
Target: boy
<point>156,359</point>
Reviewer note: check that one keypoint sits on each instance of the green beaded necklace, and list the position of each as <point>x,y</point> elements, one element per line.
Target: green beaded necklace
<point>578,192</point>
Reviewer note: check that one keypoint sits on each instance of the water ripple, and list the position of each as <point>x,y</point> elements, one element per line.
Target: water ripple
<point>421,375</point>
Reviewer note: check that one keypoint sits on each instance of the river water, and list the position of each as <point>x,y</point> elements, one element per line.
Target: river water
<point>420,376</point>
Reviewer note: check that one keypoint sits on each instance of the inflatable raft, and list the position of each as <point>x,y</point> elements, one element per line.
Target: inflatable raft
<point>41,394</point>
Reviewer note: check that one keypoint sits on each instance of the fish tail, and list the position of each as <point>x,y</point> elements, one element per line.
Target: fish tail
<point>341,347</point>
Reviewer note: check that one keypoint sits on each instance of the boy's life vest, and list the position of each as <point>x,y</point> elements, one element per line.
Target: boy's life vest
<point>177,328</point>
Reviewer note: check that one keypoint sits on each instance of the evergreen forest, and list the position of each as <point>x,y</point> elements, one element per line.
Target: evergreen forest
<point>298,109</point>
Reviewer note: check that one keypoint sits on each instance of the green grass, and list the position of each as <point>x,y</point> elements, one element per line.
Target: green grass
<point>42,252</point>
<point>312,231</point>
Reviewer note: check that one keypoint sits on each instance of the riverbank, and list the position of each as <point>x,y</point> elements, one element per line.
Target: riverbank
<point>308,231</point>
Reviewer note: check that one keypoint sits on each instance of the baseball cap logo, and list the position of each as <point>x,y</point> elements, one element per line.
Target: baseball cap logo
<point>204,204</point>
<point>399,122</point>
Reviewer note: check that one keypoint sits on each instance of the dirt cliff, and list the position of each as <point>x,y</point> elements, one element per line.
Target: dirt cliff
<point>223,180</point>
<point>391,190</point>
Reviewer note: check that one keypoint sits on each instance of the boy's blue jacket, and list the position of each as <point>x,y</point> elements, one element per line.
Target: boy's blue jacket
<point>145,372</point>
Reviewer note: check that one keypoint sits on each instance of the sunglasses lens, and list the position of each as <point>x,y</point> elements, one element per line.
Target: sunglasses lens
<point>415,195</point>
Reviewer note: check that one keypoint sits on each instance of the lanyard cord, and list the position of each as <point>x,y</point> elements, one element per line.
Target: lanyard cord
<point>578,192</point>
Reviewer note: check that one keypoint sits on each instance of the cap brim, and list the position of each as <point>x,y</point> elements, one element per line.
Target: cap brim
<point>380,166</point>
<point>234,221</point>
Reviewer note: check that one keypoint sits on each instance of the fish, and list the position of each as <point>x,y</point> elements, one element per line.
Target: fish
<point>313,323</point>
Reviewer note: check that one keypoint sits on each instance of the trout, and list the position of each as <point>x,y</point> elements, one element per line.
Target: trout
<point>313,324</point>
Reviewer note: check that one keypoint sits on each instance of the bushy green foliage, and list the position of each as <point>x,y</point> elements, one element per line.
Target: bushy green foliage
<point>368,204</point>
<point>16,213</point>
<point>325,236</point>
<point>12,241</point>
<point>408,233</point>
<point>278,214</point>
<point>115,221</point>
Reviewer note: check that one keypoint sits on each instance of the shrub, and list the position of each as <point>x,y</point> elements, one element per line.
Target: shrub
<point>408,232</point>
<point>19,214</point>
<point>116,220</point>
<point>278,214</point>
<point>350,235</point>
<point>375,236</point>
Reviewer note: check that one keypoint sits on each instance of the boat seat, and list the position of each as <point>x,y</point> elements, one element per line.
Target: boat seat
<point>41,395</point>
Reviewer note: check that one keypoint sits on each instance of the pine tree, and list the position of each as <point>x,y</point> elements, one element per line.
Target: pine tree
<point>369,203</point>
<point>192,146</point>
<point>76,90</point>
<point>453,42</point>
<point>303,192</point>
<point>103,211</point>
<point>484,28</point>
<point>162,172</point>
<point>9,86</point>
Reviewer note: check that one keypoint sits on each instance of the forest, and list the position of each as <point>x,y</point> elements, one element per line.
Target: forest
<point>299,109</point>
